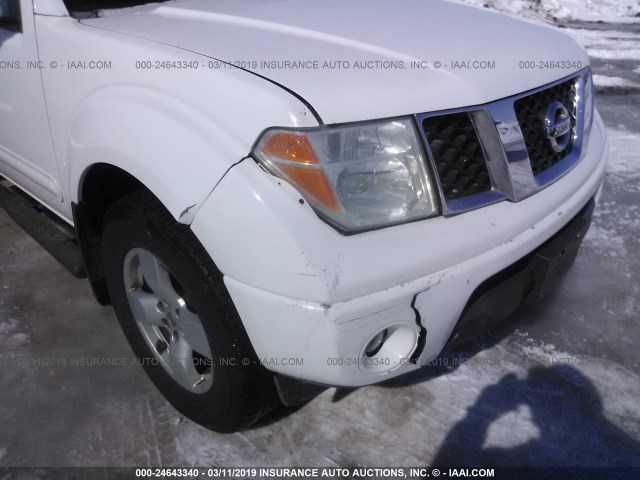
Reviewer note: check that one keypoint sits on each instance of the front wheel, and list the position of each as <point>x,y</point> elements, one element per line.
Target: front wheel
<point>179,319</point>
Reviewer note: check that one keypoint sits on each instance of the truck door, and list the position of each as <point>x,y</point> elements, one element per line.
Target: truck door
<point>26,150</point>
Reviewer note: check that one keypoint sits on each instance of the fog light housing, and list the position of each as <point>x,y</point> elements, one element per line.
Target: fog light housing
<point>389,348</point>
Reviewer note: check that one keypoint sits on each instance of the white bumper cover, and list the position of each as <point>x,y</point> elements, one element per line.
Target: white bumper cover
<point>311,299</point>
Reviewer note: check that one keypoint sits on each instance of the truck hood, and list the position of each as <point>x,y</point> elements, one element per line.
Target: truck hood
<point>357,60</point>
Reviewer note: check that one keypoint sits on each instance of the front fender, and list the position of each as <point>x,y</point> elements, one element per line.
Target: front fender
<point>176,131</point>
<point>174,150</point>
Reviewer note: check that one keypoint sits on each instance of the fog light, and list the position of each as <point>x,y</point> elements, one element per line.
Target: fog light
<point>388,348</point>
<point>376,343</point>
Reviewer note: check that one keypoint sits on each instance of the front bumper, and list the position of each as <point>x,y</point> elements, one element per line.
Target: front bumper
<point>311,299</point>
<point>528,280</point>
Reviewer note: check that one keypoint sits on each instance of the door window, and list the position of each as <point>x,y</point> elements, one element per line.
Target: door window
<point>10,15</point>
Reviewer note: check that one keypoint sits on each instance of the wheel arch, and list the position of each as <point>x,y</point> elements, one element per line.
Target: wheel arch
<point>178,151</point>
<point>126,137</point>
<point>100,186</point>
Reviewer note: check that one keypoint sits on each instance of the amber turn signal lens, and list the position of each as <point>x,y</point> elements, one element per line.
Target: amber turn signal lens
<point>314,181</point>
<point>289,149</point>
<point>290,146</point>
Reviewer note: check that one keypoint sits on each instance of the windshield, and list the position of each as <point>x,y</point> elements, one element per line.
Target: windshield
<point>89,8</point>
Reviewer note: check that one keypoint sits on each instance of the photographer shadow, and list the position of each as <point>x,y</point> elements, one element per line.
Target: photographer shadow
<point>569,426</point>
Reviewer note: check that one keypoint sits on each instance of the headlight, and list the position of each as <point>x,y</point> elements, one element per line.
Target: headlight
<point>357,177</point>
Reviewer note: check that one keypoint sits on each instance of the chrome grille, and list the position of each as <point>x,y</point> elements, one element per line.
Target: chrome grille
<point>531,110</point>
<point>508,149</point>
<point>457,154</point>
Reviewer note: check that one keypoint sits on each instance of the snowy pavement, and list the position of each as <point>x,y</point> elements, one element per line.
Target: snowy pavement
<point>606,11</point>
<point>557,385</point>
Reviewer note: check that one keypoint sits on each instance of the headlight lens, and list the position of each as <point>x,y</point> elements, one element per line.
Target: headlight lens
<point>358,177</point>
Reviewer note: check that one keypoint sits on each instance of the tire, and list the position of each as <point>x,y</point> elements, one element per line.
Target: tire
<point>179,319</point>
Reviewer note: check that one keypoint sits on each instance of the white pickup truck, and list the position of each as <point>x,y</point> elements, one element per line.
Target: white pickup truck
<point>282,195</point>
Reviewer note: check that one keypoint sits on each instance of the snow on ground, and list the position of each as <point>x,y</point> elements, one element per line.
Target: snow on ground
<point>617,225</point>
<point>622,11</point>
<point>525,399</point>
<point>10,334</point>
<point>624,161</point>
<point>610,243</point>
<point>608,44</point>
<point>551,10</point>
<point>512,429</point>
<point>605,83</point>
